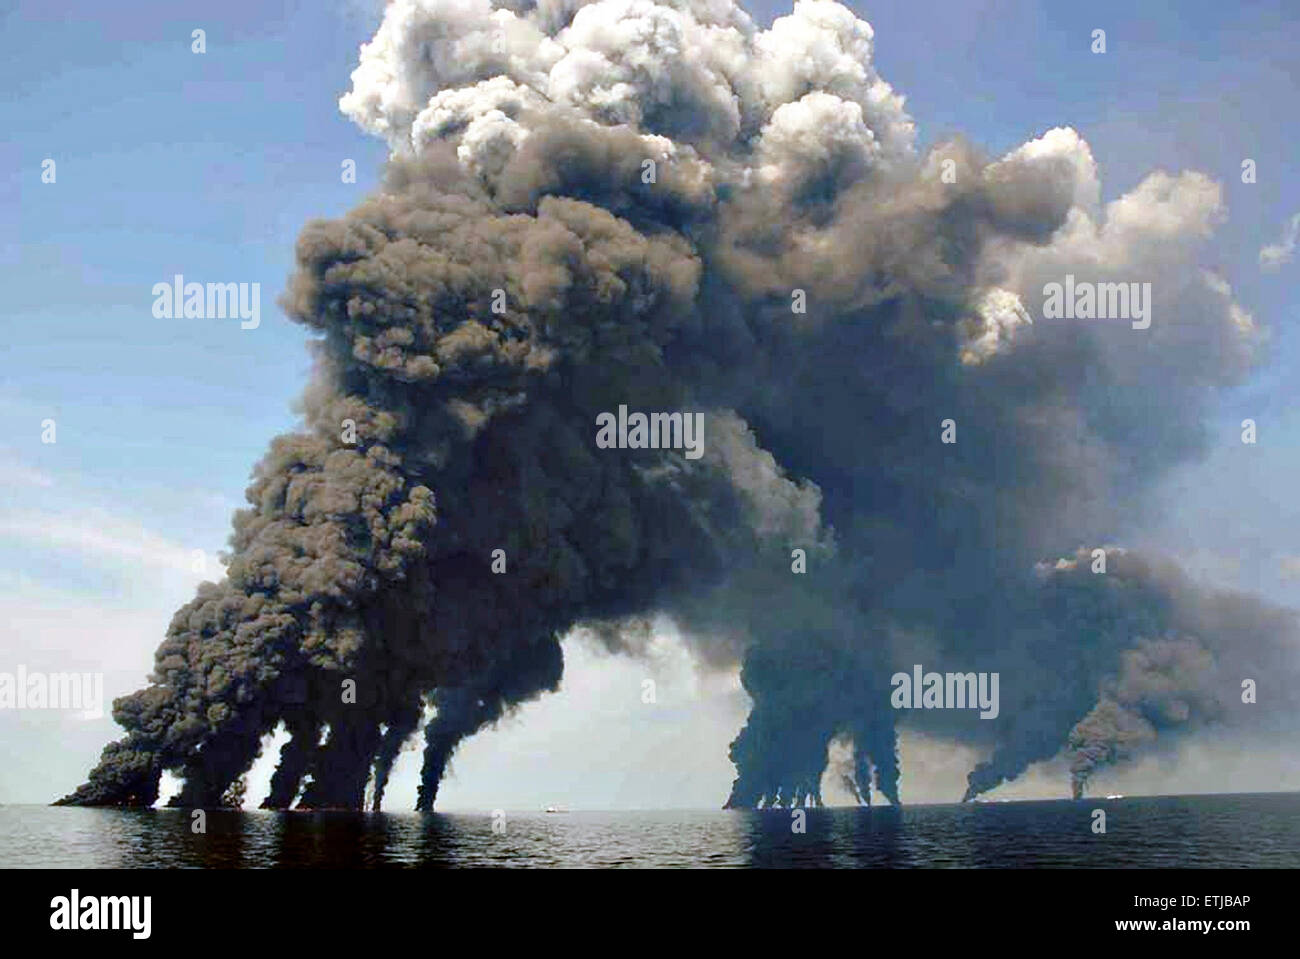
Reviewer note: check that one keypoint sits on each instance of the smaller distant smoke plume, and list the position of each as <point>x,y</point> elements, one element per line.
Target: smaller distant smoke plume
<point>1108,734</point>
<point>1160,687</point>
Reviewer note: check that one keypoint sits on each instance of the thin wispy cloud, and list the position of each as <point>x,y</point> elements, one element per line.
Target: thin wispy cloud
<point>99,537</point>
<point>16,474</point>
<point>1274,255</point>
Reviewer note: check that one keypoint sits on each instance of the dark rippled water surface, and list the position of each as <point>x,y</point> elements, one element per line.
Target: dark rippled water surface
<point>1207,831</point>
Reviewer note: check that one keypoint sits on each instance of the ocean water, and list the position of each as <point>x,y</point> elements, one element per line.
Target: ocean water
<point>1222,831</point>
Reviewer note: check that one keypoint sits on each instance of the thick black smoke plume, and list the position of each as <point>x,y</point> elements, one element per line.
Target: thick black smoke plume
<point>662,206</point>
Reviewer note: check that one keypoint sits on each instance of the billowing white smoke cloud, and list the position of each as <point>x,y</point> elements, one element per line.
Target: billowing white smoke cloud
<point>999,314</point>
<point>817,135</point>
<point>1152,234</point>
<point>698,73</point>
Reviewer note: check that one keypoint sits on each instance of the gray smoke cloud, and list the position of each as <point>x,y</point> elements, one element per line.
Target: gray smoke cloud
<point>651,187</point>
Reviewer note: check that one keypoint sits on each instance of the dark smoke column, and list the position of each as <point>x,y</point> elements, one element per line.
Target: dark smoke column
<point>342,569</point>
<point>329,527</point>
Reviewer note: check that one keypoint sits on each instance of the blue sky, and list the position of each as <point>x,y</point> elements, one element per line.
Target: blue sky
<point>208,165</point>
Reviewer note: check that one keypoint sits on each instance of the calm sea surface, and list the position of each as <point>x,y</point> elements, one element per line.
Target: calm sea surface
<point>1208,831</point>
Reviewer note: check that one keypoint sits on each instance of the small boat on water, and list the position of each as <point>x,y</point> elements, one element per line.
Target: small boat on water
<point>556,809</point>
<point>1115,796</point>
